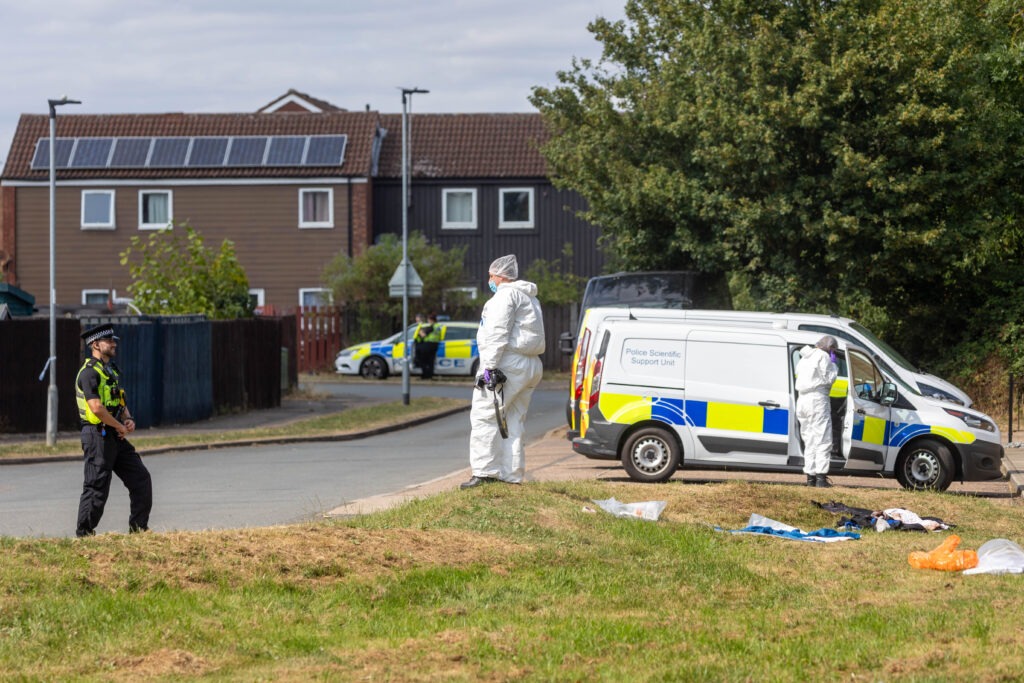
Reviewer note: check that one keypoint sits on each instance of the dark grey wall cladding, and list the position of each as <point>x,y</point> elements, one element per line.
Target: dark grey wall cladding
<point>555,224</point>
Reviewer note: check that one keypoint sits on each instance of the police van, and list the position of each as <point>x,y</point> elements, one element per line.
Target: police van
<point>887,358</point>
<point>668,394</point>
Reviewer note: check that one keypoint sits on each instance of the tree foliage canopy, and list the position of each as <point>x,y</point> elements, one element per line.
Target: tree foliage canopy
<point>361,283</point>
<point>173,273</point>
<point>556,284</point>
<point>853,156</point>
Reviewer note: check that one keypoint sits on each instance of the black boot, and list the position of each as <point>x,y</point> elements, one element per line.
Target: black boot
<point>812,480</point>
<point>823,482</point>
<point>475,481</point>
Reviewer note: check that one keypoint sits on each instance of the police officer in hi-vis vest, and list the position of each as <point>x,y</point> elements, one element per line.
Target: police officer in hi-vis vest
<point>106,423</point>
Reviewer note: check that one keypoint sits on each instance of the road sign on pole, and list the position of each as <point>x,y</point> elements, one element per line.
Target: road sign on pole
<point>405,272</point>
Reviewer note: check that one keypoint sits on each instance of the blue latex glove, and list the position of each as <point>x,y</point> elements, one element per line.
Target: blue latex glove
<point>488,377</point>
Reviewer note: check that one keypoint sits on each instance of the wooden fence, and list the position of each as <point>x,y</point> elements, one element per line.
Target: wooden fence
<point>318,329</point>
<point>24,347</point>
<point>246,363</point>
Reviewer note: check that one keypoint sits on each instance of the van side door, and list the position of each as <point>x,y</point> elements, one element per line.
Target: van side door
<point>867,425</point>
<point>737,404</point>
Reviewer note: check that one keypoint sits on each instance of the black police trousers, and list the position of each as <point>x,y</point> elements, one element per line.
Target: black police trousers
<point>104,457</point>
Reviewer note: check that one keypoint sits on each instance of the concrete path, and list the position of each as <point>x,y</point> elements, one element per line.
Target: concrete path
<point>552,459</point>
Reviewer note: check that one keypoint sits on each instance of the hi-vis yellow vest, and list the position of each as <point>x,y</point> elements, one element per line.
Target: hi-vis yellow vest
<point>111,394</point>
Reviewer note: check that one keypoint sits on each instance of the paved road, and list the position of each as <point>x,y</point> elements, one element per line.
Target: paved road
<point>265,485</point>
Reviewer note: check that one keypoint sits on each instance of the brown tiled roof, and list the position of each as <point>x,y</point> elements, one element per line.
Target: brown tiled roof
<point>323,105</point>
<point>358,126</point>
<point>466,146</point>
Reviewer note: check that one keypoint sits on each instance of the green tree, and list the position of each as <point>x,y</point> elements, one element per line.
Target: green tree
<point>361,283</point>
<point>556,284</point>
<point>855,156</point>
<point>173,273</point>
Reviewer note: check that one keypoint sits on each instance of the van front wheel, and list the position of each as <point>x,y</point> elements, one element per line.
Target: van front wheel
<point>651,455</point>
<point>926,464</point>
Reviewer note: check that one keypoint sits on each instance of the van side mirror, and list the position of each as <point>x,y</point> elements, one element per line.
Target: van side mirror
<point>567,342</point>
<point>889,394</point>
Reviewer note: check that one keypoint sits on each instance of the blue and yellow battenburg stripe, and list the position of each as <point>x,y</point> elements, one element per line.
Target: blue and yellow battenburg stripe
<point>887,433</point>
<point>630,409</point>
<point>463,348</point>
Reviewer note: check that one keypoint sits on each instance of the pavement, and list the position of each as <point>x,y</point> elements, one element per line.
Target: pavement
<point>552,459</point>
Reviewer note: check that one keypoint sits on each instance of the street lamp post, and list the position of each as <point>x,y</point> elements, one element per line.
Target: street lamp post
<point>407,94</point>
<point>51,396</point>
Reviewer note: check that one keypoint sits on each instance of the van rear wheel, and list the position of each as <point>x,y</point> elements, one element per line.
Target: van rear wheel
<point>651,454</point>
<point>925,465</point>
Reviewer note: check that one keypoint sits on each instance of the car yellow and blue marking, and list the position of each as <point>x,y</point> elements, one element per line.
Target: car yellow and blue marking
<point>455,355</point>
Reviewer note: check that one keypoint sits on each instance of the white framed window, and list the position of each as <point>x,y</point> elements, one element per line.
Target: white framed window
<point>458,207</point>
<point>97,297</point>
<point>156,209</point>
<point>316,208</point>
<point>515,207</point>
<point>98,210</point>
<point>315,296</point>
<point>258,296</point>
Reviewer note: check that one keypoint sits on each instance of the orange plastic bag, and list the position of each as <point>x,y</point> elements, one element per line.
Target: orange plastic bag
<point>946,557</point>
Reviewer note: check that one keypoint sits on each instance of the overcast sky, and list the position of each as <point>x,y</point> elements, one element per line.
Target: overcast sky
<point>145,56</point>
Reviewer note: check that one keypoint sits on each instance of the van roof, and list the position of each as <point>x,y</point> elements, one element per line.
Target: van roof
<point>696,313</point>
<point>790,336</point>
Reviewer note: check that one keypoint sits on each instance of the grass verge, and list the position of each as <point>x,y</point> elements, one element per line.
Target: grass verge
<point>350,420</point>
<point>521,583</point>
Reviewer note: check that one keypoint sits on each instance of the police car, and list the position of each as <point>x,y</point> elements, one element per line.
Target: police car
<point>456,353</point>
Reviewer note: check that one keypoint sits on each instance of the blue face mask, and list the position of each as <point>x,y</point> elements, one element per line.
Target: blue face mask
<point>493,287</point>
<point>832,356</point>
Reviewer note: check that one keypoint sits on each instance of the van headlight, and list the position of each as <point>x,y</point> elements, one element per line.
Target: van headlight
<point>972,421</point>
<point>344,353</point>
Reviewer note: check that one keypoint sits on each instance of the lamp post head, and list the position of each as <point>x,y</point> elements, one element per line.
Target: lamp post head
<point>56,103</point>
<point>411,91</point>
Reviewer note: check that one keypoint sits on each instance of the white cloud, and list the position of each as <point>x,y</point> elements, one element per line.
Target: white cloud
<point>237,55</point>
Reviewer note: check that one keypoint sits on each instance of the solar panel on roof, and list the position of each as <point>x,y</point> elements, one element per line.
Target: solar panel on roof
<point>41,159</point>
<point>130,152</point>
<point>194,152</point>
<point>286,151</point>
<point>247,151</point>
<point>92,153</point>
<point>325,150</point>
<point>208,152</point>
<point>169,152</point>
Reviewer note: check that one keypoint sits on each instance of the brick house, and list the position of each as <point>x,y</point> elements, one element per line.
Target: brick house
<point>291,185</point>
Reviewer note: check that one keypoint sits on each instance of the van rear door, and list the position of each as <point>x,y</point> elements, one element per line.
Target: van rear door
<point>737,398</point>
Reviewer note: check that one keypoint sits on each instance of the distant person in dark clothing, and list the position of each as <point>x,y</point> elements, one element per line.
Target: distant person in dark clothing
<point>106,423</point>
<point>428,338</point>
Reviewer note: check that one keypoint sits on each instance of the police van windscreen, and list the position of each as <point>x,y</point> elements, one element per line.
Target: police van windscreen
<point>640,290</point>
<point>889,351</point>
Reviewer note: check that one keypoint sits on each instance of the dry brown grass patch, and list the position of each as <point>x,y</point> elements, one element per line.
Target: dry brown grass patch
<point>157,664</point>
<point>316,554</point>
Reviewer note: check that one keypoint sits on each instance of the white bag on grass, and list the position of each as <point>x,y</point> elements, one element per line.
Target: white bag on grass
<point>999,556</point>
<point>649,510</point>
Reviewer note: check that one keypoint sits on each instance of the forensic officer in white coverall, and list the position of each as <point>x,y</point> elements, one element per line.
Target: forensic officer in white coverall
<point>510,339</point>
<point>815,374</point>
